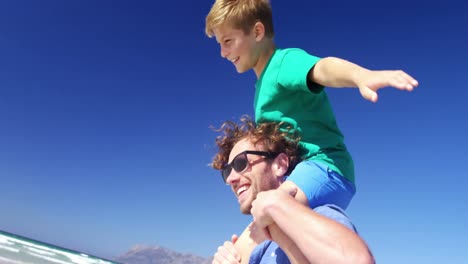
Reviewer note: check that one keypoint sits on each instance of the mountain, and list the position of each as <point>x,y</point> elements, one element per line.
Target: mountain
<point>158,255</point>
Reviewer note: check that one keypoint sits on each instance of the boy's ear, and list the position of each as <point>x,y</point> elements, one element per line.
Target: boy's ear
<point>259,30</point>
<point>281,165</point>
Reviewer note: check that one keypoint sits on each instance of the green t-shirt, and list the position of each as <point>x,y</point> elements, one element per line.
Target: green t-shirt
<point>283,94</point>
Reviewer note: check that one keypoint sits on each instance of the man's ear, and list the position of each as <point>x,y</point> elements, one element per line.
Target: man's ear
<point>281,165</point>
<point>259,30</point>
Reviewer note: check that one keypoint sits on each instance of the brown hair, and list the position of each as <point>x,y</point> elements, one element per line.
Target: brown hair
<point>273,137</point>
<point>240,14</point>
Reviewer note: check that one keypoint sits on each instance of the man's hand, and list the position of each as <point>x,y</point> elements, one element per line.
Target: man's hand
<point>369,82</point>
<point>263,203</point>
<point>227,253</point>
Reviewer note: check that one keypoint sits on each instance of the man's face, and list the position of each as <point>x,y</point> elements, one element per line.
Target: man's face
<point>258,175</point>
<point>237,47</point>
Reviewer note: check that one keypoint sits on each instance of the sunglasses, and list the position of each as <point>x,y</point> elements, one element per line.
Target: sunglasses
<point>240,162</point>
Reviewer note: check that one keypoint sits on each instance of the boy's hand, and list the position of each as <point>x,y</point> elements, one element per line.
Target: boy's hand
<point>266,200</point>
<point>371,81</point>
<point>227,253</point>
<point>258,235</point>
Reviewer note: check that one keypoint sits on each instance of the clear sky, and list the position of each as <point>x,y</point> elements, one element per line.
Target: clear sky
<point>105,109</point>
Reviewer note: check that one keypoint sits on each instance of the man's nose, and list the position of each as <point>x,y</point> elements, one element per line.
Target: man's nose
<point>233,177</point>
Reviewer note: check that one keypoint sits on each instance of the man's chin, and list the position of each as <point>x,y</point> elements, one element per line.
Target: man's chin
<point>245,209</point>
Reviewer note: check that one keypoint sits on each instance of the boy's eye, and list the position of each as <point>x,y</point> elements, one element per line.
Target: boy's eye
<point>227,41</point>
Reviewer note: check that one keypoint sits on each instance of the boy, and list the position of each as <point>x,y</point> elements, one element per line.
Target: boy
<point>290,89</point>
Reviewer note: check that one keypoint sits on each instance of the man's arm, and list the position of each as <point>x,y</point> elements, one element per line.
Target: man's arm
<point>232,254</point>
<point>250,238</point>
<point>336,73</point>
<point>227,253</point>
<point>318,238</point>
<point>247,241</point>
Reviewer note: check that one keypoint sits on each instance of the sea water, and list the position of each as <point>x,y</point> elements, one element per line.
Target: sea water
<point>20,250</point>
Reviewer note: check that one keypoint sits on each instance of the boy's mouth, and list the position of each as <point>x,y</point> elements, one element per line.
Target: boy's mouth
<point>235,60</point>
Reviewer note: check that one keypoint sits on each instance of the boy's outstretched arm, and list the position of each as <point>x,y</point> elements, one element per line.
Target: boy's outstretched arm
<point>336,73</point>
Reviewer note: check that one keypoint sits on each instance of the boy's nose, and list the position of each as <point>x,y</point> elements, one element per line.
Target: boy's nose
<point>224,53</point>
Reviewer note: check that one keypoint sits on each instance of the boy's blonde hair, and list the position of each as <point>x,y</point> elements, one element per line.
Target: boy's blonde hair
<point>240,14</point>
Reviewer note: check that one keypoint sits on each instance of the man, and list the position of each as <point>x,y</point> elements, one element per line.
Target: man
<point>255,161</point>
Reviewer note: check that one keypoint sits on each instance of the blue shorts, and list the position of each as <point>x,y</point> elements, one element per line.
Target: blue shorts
<point>321,185</point>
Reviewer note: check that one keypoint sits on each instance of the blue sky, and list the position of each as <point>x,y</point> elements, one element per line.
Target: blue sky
<point>105,109</point>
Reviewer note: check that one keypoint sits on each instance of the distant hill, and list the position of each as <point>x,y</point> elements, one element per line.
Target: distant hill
<point>158,255</point>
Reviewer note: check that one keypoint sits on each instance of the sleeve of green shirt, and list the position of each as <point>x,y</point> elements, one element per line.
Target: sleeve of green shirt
<point>294,69</point>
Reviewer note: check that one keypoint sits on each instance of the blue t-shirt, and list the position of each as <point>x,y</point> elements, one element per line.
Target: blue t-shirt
<point>269,252</point>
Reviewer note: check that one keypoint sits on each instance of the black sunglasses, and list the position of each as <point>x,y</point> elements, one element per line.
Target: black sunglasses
<point>240,162</point>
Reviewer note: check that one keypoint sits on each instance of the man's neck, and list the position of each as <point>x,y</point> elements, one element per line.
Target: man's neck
<point>264,58</point>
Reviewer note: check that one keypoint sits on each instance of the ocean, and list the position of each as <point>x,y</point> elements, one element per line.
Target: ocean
<point>15,249</point>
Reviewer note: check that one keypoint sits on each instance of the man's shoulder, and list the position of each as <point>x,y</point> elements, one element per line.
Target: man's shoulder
<point>335,213</point>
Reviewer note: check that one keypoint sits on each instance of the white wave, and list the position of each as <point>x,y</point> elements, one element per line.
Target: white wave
<point>9,249</point>
<point>39,251</point>
<point>5,260</point>
<point>48,258</point>
<point>5,240</point>
<point>50,254</point>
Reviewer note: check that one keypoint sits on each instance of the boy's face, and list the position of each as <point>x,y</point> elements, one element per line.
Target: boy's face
<point>237,47</point>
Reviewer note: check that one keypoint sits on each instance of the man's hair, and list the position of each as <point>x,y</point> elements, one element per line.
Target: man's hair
<point>272,136</point>
<point>240,14</point>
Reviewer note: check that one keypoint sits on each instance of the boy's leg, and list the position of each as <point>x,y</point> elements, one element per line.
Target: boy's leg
<point>321,185</point>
